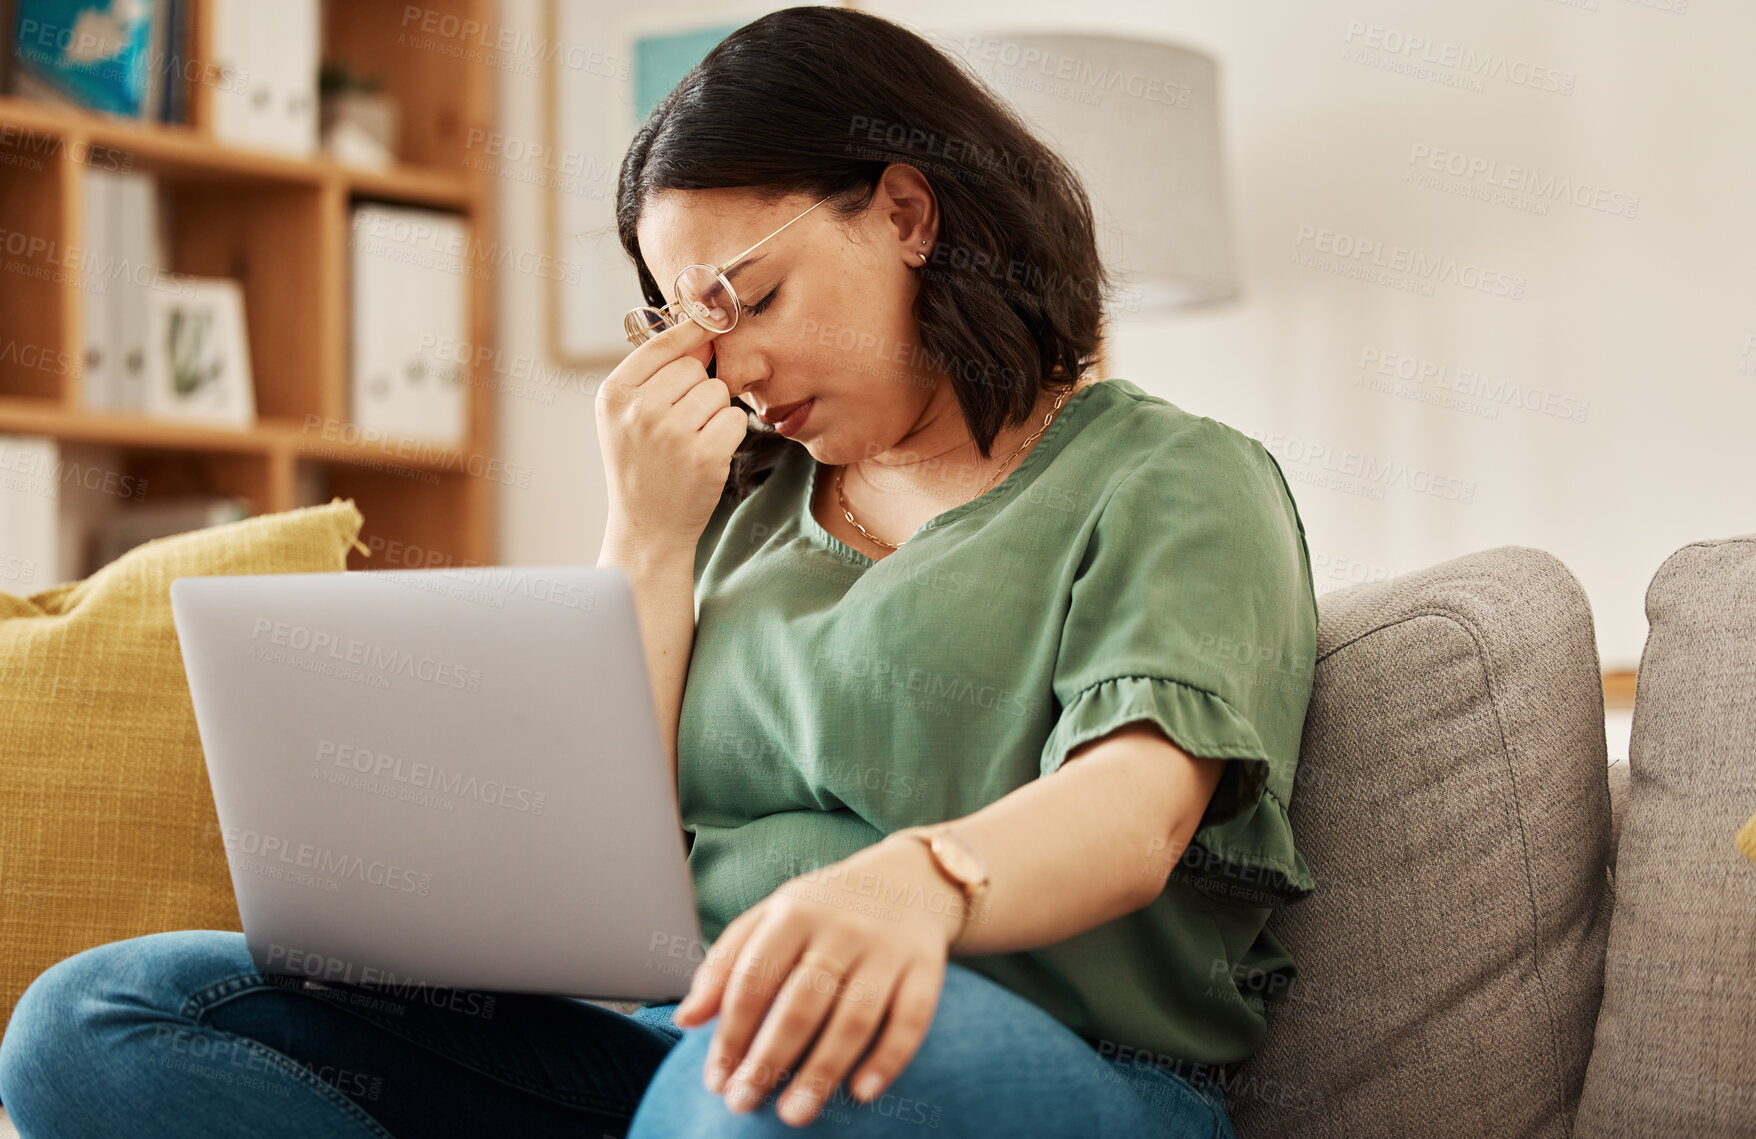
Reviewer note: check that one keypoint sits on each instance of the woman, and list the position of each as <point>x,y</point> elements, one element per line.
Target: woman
<point>993,698</point>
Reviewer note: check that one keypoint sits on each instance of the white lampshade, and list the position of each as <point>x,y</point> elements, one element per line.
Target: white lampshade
<point>1139,121</point>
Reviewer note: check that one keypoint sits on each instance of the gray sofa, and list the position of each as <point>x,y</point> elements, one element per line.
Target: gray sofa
<point>1509,938</point>
<point>1477,960</point>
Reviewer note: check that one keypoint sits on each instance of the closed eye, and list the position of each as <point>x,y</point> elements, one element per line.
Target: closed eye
<point>757,308</point>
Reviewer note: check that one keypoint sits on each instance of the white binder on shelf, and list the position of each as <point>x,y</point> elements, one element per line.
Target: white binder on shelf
<point>98,363</point>
<point>136,230</point>
<point>410,312</point>
<point>268,54</point>
<point>29,514</point>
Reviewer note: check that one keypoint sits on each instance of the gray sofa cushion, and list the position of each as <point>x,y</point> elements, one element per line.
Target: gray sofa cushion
<point>1453,803</point>
<point>1618,805</point>
<point>1675,1053</point>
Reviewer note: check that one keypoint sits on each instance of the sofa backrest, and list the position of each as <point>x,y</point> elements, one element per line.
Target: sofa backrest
<point>1675,1050</point>
<point>1453,804</point>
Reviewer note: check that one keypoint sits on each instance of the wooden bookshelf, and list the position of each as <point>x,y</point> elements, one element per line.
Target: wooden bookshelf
<point>1619,689</point>
<point>281,227</point>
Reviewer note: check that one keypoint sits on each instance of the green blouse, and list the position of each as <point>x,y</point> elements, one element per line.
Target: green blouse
<point>1141,563</point>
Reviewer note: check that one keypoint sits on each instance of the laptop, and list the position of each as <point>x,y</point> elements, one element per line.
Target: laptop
<point>442,778</point>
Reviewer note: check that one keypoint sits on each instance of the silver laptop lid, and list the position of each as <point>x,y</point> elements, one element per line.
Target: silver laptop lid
<point>443,777</point>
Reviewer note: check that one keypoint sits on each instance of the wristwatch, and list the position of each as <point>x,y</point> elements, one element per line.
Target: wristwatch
<point>958,861</point>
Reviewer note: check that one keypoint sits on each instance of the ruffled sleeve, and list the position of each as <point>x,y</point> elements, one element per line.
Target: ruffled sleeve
<point>1193,609</point>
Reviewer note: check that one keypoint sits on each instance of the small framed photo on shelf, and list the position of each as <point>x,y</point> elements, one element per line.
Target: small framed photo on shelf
<point>198,359</point>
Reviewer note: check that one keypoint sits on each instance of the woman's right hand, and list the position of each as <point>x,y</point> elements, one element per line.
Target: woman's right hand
<point>668,432</point>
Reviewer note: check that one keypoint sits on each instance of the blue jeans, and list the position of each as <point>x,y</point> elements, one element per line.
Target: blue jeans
<point>179,1034</point>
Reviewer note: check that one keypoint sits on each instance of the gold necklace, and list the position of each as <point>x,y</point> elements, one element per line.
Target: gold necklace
<point>841,471</point>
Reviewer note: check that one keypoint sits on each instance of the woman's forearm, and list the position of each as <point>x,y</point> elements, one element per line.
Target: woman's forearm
<point>1093,841</point>
<point>664,600</point>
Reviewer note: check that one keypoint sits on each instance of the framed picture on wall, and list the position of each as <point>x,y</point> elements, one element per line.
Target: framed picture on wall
<point>198,357</point>
<point>610,67</point>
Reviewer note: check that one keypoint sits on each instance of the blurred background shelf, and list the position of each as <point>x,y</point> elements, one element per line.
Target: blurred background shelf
<point>279,225</point>
<point>171,148</point>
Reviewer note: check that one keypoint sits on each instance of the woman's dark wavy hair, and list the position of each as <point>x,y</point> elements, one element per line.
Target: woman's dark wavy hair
<point>818,101</point>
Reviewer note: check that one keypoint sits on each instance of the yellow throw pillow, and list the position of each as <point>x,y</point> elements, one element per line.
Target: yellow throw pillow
<point>1746,839</point>
<point>107,826</point>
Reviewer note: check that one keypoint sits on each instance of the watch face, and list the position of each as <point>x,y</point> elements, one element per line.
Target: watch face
<point>964,863</point>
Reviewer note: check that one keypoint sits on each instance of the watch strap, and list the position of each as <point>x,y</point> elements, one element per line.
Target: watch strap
<point>972,891</point>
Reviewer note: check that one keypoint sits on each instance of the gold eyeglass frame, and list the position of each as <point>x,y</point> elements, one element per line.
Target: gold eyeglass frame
<point>643,322</point>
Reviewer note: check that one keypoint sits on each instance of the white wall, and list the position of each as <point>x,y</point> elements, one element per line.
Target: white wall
<point>559,517</point>
<point>1647,323</point>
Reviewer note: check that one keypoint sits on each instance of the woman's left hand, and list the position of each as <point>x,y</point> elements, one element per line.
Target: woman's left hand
<point>877,926</point>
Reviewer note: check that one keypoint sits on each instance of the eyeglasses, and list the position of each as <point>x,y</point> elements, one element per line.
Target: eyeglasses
<point>704,295</point>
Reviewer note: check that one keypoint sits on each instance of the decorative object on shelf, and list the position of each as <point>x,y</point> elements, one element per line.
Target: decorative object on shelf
<point>410,315</point>
<point>198,353</point>
<point>105,55</point>
<point>1139,121</point>
<point>359,120</point>
<point>266,97</point>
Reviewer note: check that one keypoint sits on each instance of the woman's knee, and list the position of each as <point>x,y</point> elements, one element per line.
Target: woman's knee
<point>81,1007</point>
<point>986,1041</point>
<point>982,1039</point>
